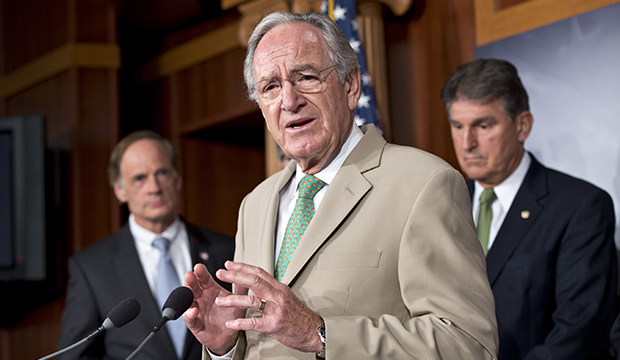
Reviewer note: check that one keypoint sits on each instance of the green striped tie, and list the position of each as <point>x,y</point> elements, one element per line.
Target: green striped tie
<point>485,217</point>
<point>298,222</point>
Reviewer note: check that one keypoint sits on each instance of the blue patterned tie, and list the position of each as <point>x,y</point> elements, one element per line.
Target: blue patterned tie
<point>298,222</point>
<point>168,280</point>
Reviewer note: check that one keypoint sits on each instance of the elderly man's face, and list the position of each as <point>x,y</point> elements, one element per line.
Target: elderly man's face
<point>151,187</point>
<point>310,128</point>
<point>488,145</point>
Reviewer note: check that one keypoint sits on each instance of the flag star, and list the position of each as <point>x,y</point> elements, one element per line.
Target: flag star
<point>339,13</point>
<point>364,101</point>
<point>366,79</point>
<point>359,121</point>
<point>324,6</point>
<point>355,44</point>
<point>354,24</point>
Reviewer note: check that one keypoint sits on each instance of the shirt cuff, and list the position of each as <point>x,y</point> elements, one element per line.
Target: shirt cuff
<point>227,356</point>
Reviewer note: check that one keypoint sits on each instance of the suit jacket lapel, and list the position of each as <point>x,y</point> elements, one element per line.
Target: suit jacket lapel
<point>343,194</point>
<point>515,225</point>
<point>127,264</point>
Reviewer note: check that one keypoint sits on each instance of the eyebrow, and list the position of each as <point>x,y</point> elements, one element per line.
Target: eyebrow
<point>476,121</point>
<point>489,118</point>
<point>294,69</point>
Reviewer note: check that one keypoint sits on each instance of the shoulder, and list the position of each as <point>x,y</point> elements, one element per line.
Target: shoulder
<point>107,245</point>
<point>412,158</point>
<point>568,185</point>
<point>564,190</point>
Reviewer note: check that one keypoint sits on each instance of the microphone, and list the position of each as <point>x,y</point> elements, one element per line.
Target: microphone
<point>120,315</point>
<point>179,300</point>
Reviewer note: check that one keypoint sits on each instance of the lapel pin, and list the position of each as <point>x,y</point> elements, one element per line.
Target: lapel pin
<point>204,255</point>
<point>525,214</point>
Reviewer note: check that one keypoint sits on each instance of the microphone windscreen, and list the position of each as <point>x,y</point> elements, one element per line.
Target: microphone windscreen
<point>179,300</point>
<point>124,312</point>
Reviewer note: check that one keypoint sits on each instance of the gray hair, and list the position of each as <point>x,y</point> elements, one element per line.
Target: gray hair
<point>114,165</point>
<point>339,50</point>
<point>486,80</point>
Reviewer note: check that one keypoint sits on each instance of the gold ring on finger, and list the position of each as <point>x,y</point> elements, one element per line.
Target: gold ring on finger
<point>261,307</point>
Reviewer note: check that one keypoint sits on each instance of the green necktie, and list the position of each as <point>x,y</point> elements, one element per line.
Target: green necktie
<point>298,222</point>
<point>485,217</point>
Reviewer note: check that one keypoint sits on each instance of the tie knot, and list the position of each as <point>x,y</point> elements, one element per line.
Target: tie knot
<point>309,186</point>
<point>488,196</point>
<point>162,244</point>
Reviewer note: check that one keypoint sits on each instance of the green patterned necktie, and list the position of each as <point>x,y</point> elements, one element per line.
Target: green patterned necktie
<point>298,222</point>
<point>485,217</point>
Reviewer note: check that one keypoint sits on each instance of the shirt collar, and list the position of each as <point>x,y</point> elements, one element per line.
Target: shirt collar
<point>507,190</point>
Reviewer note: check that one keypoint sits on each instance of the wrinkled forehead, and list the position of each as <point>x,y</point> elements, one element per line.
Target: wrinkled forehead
<point>290,47</point>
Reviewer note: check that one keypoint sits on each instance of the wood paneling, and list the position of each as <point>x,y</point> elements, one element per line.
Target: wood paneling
<point>422,53</point>
<point>213,92</point>
<point>217,176</point>
<point>32,337</point>
<point>194,51</point>
<point>60,59</point>
<point>494,23</point>
<point>63,58</point>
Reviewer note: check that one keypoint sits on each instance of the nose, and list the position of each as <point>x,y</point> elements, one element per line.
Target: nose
<point>470,140</point>
<point>152,184</point>
<point>291,98</point>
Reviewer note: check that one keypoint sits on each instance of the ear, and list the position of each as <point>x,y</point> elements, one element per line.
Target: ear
<point>353,87</point>
<point>121,194</point>
<point>524,122</point>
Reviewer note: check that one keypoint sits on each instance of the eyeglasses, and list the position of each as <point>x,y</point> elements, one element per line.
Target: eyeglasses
<point>305,81</point>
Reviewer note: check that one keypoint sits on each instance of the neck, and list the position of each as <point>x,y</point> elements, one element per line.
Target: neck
<point>156,226</point>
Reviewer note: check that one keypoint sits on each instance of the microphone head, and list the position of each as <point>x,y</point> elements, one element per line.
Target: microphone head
<point>124,312</point>
<point>179,300</point>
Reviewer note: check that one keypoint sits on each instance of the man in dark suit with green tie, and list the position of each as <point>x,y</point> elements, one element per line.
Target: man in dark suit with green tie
<point>549,237</point>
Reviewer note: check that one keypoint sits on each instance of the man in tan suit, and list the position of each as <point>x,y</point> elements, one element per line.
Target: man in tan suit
<point>389,267</point>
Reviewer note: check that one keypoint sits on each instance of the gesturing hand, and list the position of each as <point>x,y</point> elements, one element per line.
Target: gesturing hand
<point>204,318</point>
<point>285,318</point>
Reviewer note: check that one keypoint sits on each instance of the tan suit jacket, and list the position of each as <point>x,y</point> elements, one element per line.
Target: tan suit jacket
<point>390,260</point>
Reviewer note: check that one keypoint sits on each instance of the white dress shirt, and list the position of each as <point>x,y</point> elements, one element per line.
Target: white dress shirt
<point>506,193</point>
<point>149,255</point>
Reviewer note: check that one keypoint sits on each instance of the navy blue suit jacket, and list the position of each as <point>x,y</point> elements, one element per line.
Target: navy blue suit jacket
<point>109,271</point>
<point>553,273</point>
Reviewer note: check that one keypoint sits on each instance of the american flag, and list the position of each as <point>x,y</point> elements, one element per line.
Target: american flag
<point>344,13</point>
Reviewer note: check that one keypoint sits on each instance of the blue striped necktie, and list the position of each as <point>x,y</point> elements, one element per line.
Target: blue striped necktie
<point>166,281</point>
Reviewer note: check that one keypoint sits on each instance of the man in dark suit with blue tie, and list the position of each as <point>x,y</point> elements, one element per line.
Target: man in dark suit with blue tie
<point>549,237</point>
<point>145,260</point>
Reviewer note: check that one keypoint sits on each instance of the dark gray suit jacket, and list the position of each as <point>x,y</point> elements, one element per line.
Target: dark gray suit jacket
<point>109,271</point>
<point>553,270</point>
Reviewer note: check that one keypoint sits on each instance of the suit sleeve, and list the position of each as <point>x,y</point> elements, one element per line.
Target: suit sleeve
<point>80,317</point>
<point>443,283</point>
<point>585,284</point>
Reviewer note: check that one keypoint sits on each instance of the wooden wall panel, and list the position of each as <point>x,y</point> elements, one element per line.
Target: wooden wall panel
<point>495,21</point>
<point>422,53</point>
<point>80,105</point>
<point>217,177</point>
<point>213,92</point>
<point>32,28</point>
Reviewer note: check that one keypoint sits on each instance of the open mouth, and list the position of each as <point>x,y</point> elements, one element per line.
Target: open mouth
<point>299,123</point>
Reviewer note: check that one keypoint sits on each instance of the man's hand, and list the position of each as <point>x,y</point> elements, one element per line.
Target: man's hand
<point>204,318</point>
<point>285,317</point>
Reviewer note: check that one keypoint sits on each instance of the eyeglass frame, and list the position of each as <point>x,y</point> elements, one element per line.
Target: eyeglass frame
<point>280,81</point>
